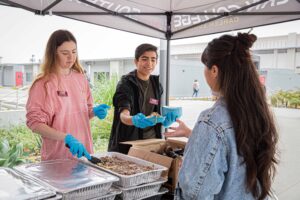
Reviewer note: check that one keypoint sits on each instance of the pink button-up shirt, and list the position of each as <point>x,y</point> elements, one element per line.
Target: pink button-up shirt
<point>68,110</point>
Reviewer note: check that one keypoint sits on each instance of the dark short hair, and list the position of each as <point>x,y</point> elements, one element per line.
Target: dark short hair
<point>143,48</point>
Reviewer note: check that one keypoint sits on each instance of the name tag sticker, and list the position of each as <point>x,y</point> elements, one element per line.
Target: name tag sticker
<point>62,93</point>
<point>153,101</point>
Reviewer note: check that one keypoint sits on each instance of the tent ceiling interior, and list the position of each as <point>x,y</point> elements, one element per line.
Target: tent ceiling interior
<point>168,19</point>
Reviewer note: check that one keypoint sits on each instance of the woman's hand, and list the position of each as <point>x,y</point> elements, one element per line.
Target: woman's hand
<point>180,131</point>
<point>76,147</point>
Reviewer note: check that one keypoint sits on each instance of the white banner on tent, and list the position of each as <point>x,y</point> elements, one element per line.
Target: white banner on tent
<point>168,19</point>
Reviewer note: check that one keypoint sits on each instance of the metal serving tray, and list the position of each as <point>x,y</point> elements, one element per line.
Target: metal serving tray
<point>156,196</point>
<point>57,197</point>
<point>70,178</point>
<point>141,191</point>
<point>110,195</point>
<point>14,185</point>
<point>135,179</point>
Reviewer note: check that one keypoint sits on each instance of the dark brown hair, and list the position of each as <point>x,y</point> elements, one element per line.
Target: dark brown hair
<point>143,48</point>
<point>255,131</point>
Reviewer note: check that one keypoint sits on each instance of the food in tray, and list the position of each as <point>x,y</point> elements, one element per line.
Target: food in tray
<point>155,117</point>
<point>153,114</point>
<point>123,167</point>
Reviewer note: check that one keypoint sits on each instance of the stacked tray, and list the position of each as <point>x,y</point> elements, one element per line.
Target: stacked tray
<point>111,195</point>
<point>135,179</point>
<point>70,178</point>
<point>57,197</point>
<point>156,196</point>
<point>141,191</point>
<point>14,185</point>
<point>137,186</point>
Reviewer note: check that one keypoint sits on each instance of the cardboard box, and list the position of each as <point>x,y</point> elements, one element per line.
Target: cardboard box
<point>177,142</point>
<point>149,150</point>
<point>152,157</point>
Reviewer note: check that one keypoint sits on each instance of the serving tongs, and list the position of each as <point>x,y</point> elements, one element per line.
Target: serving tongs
<point>93,160</point>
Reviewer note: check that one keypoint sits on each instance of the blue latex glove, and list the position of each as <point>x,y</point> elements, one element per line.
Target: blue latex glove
<point>170,119</point>
<point>101,111</point>
<point>76,147</point>
<point>139,120</point>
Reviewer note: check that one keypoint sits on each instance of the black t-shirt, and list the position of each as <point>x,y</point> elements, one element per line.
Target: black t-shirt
<point>146,89</point>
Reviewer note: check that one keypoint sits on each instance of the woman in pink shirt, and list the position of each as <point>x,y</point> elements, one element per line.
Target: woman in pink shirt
<point>60,103</point>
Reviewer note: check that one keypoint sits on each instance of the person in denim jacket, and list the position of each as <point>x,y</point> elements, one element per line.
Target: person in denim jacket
<point>231,152</point>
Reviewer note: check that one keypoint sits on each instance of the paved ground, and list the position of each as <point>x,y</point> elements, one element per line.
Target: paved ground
<point>287,181</point>
<point>13,95</point>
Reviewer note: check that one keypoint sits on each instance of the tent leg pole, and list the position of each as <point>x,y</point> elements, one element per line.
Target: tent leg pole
<point>168,73</point>
<point>163,69</point>
<point>164,72</point>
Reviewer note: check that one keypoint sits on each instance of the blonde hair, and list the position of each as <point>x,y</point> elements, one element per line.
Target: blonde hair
<point>48,67</point>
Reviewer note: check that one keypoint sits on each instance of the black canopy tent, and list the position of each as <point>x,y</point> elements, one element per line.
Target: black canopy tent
<point>168,19</point>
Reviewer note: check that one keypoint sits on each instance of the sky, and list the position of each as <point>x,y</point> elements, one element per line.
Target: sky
<point>23,34</point>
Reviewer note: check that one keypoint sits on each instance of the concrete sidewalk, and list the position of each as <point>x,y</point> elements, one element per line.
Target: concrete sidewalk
<point>287,181</point>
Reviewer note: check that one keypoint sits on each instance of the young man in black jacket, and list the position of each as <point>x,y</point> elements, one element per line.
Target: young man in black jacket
<point>137,95</point>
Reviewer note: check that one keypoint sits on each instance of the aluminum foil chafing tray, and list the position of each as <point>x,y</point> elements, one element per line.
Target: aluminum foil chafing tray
<point>135,179</point>
<point>156,196</point>
<point>111,195</point>
<point>71,178</point>
<point>14,185</point>
<point>141,191</point>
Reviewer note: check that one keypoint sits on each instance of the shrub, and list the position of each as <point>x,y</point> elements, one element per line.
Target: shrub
<point>103,92</point>
<point>289,99</point>
<point>17,134</point>
<point>10,156</point>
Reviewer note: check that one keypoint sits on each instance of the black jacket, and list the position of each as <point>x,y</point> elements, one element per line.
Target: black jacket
<point>127,97</point>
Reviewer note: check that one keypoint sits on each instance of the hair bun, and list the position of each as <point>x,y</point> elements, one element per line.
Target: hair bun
<point>246,39</point>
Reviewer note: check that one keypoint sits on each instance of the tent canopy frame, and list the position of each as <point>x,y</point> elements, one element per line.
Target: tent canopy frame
<point>168,32</point>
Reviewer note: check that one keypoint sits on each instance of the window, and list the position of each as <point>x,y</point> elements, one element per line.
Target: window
<point>282,50</point>
<point>264,51</point>
<point>28,76</point>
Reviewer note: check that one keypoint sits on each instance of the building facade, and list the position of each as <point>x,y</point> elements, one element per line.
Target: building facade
<point>273,56</point>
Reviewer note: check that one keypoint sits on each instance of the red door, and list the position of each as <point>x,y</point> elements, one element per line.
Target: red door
<point>19,78</point>
<point>262,79</point>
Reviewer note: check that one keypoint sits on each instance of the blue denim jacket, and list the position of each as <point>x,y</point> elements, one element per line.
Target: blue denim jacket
<point>212,168</point>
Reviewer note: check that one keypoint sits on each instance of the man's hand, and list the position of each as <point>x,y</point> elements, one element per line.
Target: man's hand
<point>139,120</point>
<point>101,111</point>
<point>76,147</point>
<point>181,131</point>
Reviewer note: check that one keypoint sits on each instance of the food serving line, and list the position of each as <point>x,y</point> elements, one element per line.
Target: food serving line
<point>80,179</point>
